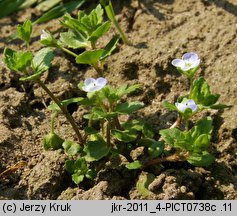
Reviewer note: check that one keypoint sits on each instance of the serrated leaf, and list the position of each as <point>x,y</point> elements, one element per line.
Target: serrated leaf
<point>17,60</point>
<point>24,31</point>
<point>73,40</point>
<point>71,147</point>
<point>134,165</point>
<point>169,106</point>
<point>203,159</point>
<point>90,57</point>
<point>96,149</point>
<point>125,136</point>
<point>143,182</point>
<point>101,30</point>
<point>42,60</point>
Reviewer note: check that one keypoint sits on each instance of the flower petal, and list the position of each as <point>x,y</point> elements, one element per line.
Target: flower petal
<point>89,81</point>
<point>181,106</point>
<point>178,63</point>
<point>192,105</point>
<point>192,57</point>
<point>101,82</point>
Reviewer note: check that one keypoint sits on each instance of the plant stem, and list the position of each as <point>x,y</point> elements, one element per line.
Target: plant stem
<point>53,121</point>
<point>64,110</point>
<point>110,13</point>
<point>98,69</point>
<point>191,86</point>
<point>171,158</point>
<point>69,51</point>
<point>186,124</point>
<point>108,127</point>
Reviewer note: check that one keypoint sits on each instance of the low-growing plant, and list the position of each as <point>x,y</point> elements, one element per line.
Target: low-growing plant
<point>106,134</point>
<point>83,32</point>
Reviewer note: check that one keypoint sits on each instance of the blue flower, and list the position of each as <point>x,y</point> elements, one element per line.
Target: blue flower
<point>92,85</point>
<point>185,105</point>
<point>189,61</point>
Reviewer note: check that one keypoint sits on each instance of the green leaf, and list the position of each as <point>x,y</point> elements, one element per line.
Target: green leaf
<point>17,60</point>
<point>24,31</point>
<point>101,30</point>
<point>65,103</point>
<point>46,5</point>
<point>201,94</point>
<point>143,182</point>
<point>69,166</point>
<point>171,135</point>
<point>32,77</point>
<point>76,166</point>
<point>59,11</point>
<point>203,126</point>
<point>52,140</point>
<point>134,165</point>
<point>9,6</point>
<point>42,60</point>
<point>125,136</point>
<point>128,108</point>
<point>156,149</point>
<point>91,174</point>
<point>110,47</point>
<point>73,40</point>
<point>77,178</point>
<point>96,149</point>
<point>203,159</point>
<point>147,130</point>
<point>201,143</point>
<point>125,89</point>
<point>220,106</point>
<point>169,106</point>
<point>90,130</point>
<point>71,147</point>
<point>133,124</point>
<point>90,57</point>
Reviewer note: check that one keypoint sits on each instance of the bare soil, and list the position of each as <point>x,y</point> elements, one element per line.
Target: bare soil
<point>160,31</point>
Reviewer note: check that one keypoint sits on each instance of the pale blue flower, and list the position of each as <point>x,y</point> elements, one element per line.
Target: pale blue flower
<point>92,85</point>
<point>188,61</point>
<point>186,104</point>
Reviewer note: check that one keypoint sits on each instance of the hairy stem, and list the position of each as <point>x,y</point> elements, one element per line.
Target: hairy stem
<point>64,110</point>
